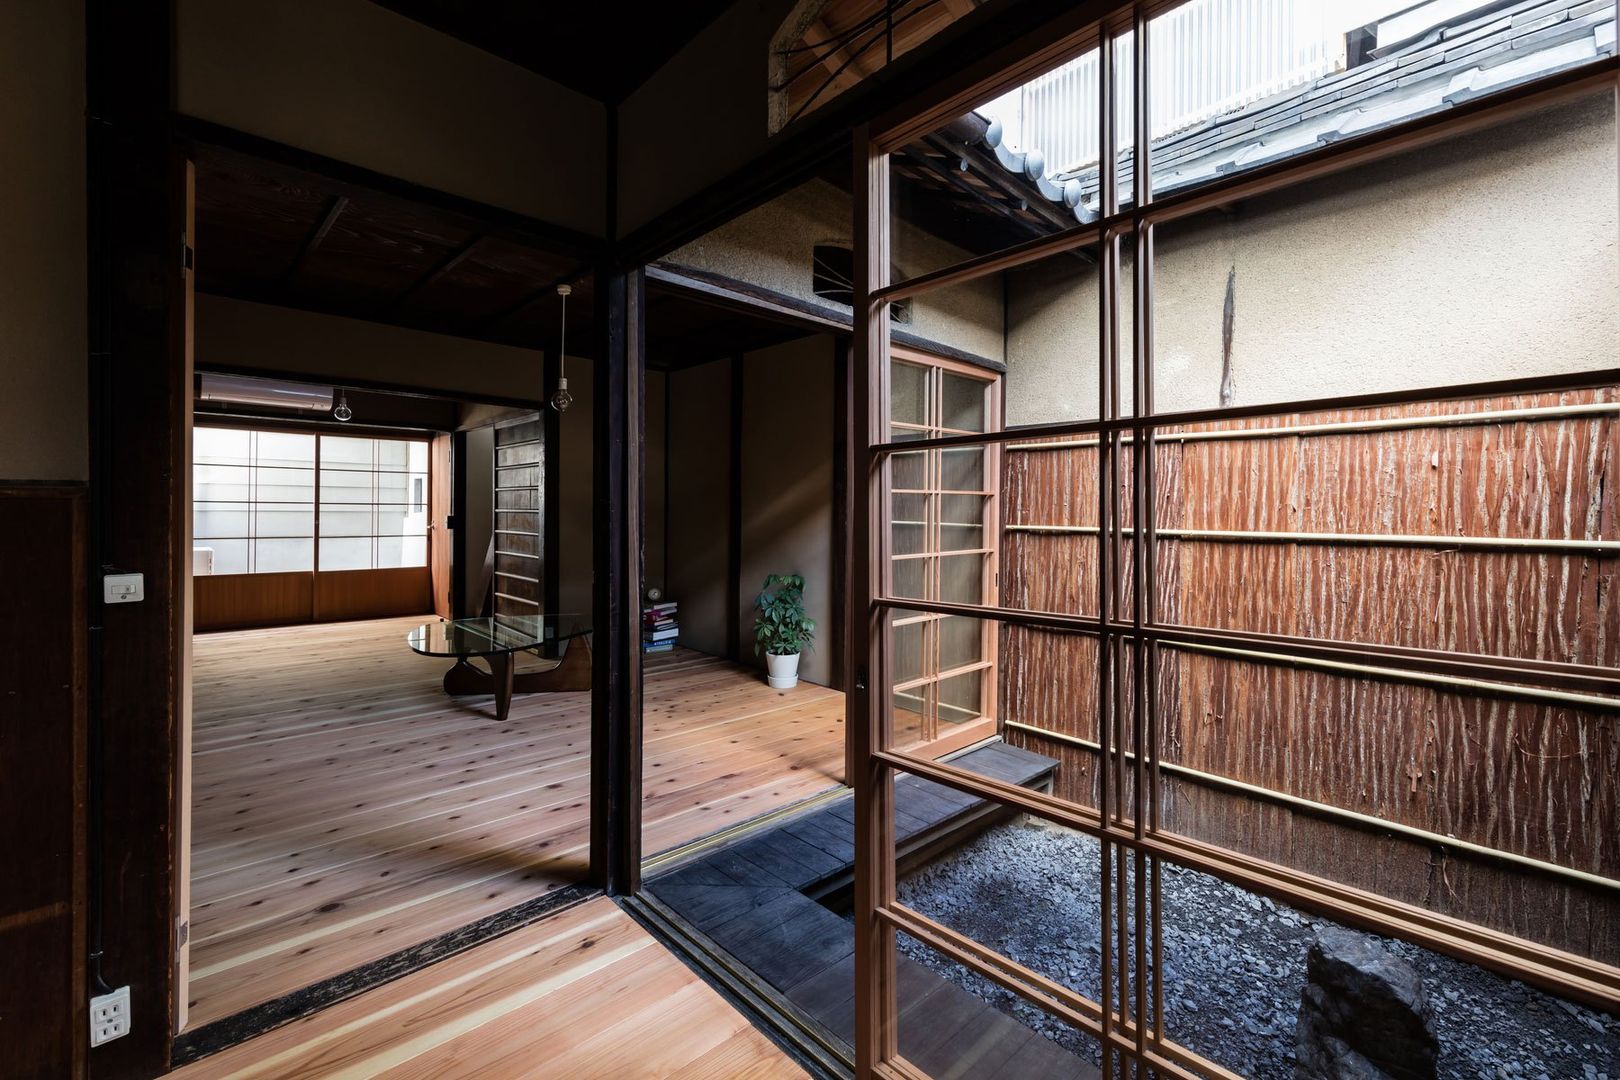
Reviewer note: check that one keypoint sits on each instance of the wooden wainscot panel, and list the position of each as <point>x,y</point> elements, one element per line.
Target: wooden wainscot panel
<point>373,594</point>
<point>42,777</point>
<point>242,601</point>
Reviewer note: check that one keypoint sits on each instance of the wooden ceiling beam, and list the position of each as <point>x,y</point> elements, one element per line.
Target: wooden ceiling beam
<point>434,274</point>
<point>500,317</point>
<point>317,236</point>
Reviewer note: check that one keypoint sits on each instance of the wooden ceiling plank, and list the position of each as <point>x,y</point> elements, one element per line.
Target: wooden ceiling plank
<point>334,210</point>
<point>434,274</point>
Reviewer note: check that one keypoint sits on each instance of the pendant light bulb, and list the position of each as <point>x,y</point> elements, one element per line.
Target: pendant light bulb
<point>342,411</point>
<point>561,398</point>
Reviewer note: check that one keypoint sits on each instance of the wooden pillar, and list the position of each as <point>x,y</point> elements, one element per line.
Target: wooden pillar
<point>139,391</point>
<point>616,591</point>
<point>875,1010</point>
<point>735,649</point>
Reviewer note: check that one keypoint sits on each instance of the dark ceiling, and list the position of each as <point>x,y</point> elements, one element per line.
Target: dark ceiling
<point>602,50</point>
<point>274,234</point>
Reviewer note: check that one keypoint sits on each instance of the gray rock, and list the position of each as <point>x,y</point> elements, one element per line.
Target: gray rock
<point>1363,1014</point>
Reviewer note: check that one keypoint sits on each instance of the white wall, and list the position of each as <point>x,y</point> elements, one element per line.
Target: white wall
<point>43,316</point>
<point>357,82</point>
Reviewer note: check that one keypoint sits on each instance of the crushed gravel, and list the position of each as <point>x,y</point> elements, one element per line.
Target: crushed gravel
<point>1234,963</point>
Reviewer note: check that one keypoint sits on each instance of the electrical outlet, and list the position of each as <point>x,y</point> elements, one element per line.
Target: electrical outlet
<point>109,1016</point>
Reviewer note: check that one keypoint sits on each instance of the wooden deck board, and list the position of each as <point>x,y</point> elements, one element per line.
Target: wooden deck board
<point>584,993</point>
<point>344,808</point>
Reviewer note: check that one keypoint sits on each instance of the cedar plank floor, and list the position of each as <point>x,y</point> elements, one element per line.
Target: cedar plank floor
<point>584,993</point>
<point>344,808</point>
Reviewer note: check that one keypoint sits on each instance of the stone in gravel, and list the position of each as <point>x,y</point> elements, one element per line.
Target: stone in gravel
<point>1363,1014</point>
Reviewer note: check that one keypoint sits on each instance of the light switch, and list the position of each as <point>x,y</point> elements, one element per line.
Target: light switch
<point>123,588</point>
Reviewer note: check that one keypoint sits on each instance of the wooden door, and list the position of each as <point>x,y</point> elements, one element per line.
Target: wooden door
<point>440,492</point>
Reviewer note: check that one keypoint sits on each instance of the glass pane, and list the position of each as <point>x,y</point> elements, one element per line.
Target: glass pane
<point>1008,171</point>
<point>394,487</point>
<point>283,485</point>
<point>962,469</point>
<point>1436,760</point>
<point>911,578</point>
<point>281,449</point>
<point>910,470</point>
<point>393,455</point>
<point>961,579</point>
<point>275,522</point>
<point>230,556</point>
<point>1441,287</point>
<point>219,520</point>
<point>347,486</point>
<point>341,522</point>
<point>220,446</point>
<point>910,401</point>
<point>399,521</point>
<point>214,483</point>
<point>961,641</point>
<point>346,553</point>
<point>1387,530</point>
<point>962,402</point>
<point>401,551</point>
<point>1237,85</point>
<point>344,450</point>
<point>961,698</point>
<point>277,556</point>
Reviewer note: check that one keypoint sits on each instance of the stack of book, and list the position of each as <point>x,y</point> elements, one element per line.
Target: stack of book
<point>658,627</point>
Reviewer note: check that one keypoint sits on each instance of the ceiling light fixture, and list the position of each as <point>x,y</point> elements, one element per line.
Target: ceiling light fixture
<point>561,398</point>
<point>341,410</point>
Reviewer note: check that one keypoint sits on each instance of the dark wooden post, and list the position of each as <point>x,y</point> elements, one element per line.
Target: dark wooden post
<point>616,620</point>
<point>138,419</point>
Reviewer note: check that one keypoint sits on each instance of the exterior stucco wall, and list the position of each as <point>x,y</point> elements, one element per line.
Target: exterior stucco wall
<point>1487,257</point>
<point>771,246</point>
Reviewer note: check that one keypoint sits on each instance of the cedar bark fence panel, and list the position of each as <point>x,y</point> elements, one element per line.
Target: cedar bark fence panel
<point>1407,512</point>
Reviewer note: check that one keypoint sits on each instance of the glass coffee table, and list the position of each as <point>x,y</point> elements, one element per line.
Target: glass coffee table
<point>495,641</point>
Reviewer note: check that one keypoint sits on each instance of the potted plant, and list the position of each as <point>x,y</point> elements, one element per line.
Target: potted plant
<point>781,630</point>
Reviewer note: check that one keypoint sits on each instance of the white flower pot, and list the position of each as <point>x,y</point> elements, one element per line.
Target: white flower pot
<point>782,672</point>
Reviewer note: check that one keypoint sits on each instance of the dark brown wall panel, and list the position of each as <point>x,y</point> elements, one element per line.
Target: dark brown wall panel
<point>42,776</point>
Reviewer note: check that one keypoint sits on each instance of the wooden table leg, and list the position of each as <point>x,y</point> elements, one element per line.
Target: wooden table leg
<point>500,668</point>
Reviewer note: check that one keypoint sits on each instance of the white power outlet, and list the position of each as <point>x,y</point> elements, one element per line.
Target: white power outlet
<point>109,1016</point>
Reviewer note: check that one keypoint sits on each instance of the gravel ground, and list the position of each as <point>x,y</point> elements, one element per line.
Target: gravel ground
<point>1234,964</point>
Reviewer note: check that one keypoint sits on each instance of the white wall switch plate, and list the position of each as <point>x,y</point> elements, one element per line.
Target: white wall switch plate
<point>109,1016</point>
<point>123,588</point>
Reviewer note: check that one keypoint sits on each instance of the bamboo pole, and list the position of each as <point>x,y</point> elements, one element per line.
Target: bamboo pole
<point>1348,427</point>
<point>1489,543</point>
<point>1341,813</point>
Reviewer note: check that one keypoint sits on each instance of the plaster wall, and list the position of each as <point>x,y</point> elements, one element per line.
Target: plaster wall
<point>772,246</point>
<point>576,446</point>
<point>699,505</point>
<point>700,117</point>
<point>480,515</point>
<point>44,405</point>
<point>787,486</point>
<point>1487,257</point>
<point>241,334</point>
<point>354,81</point>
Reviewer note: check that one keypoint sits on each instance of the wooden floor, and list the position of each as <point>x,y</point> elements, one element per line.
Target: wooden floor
<point>585,993</point>
<point>344,808</point>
